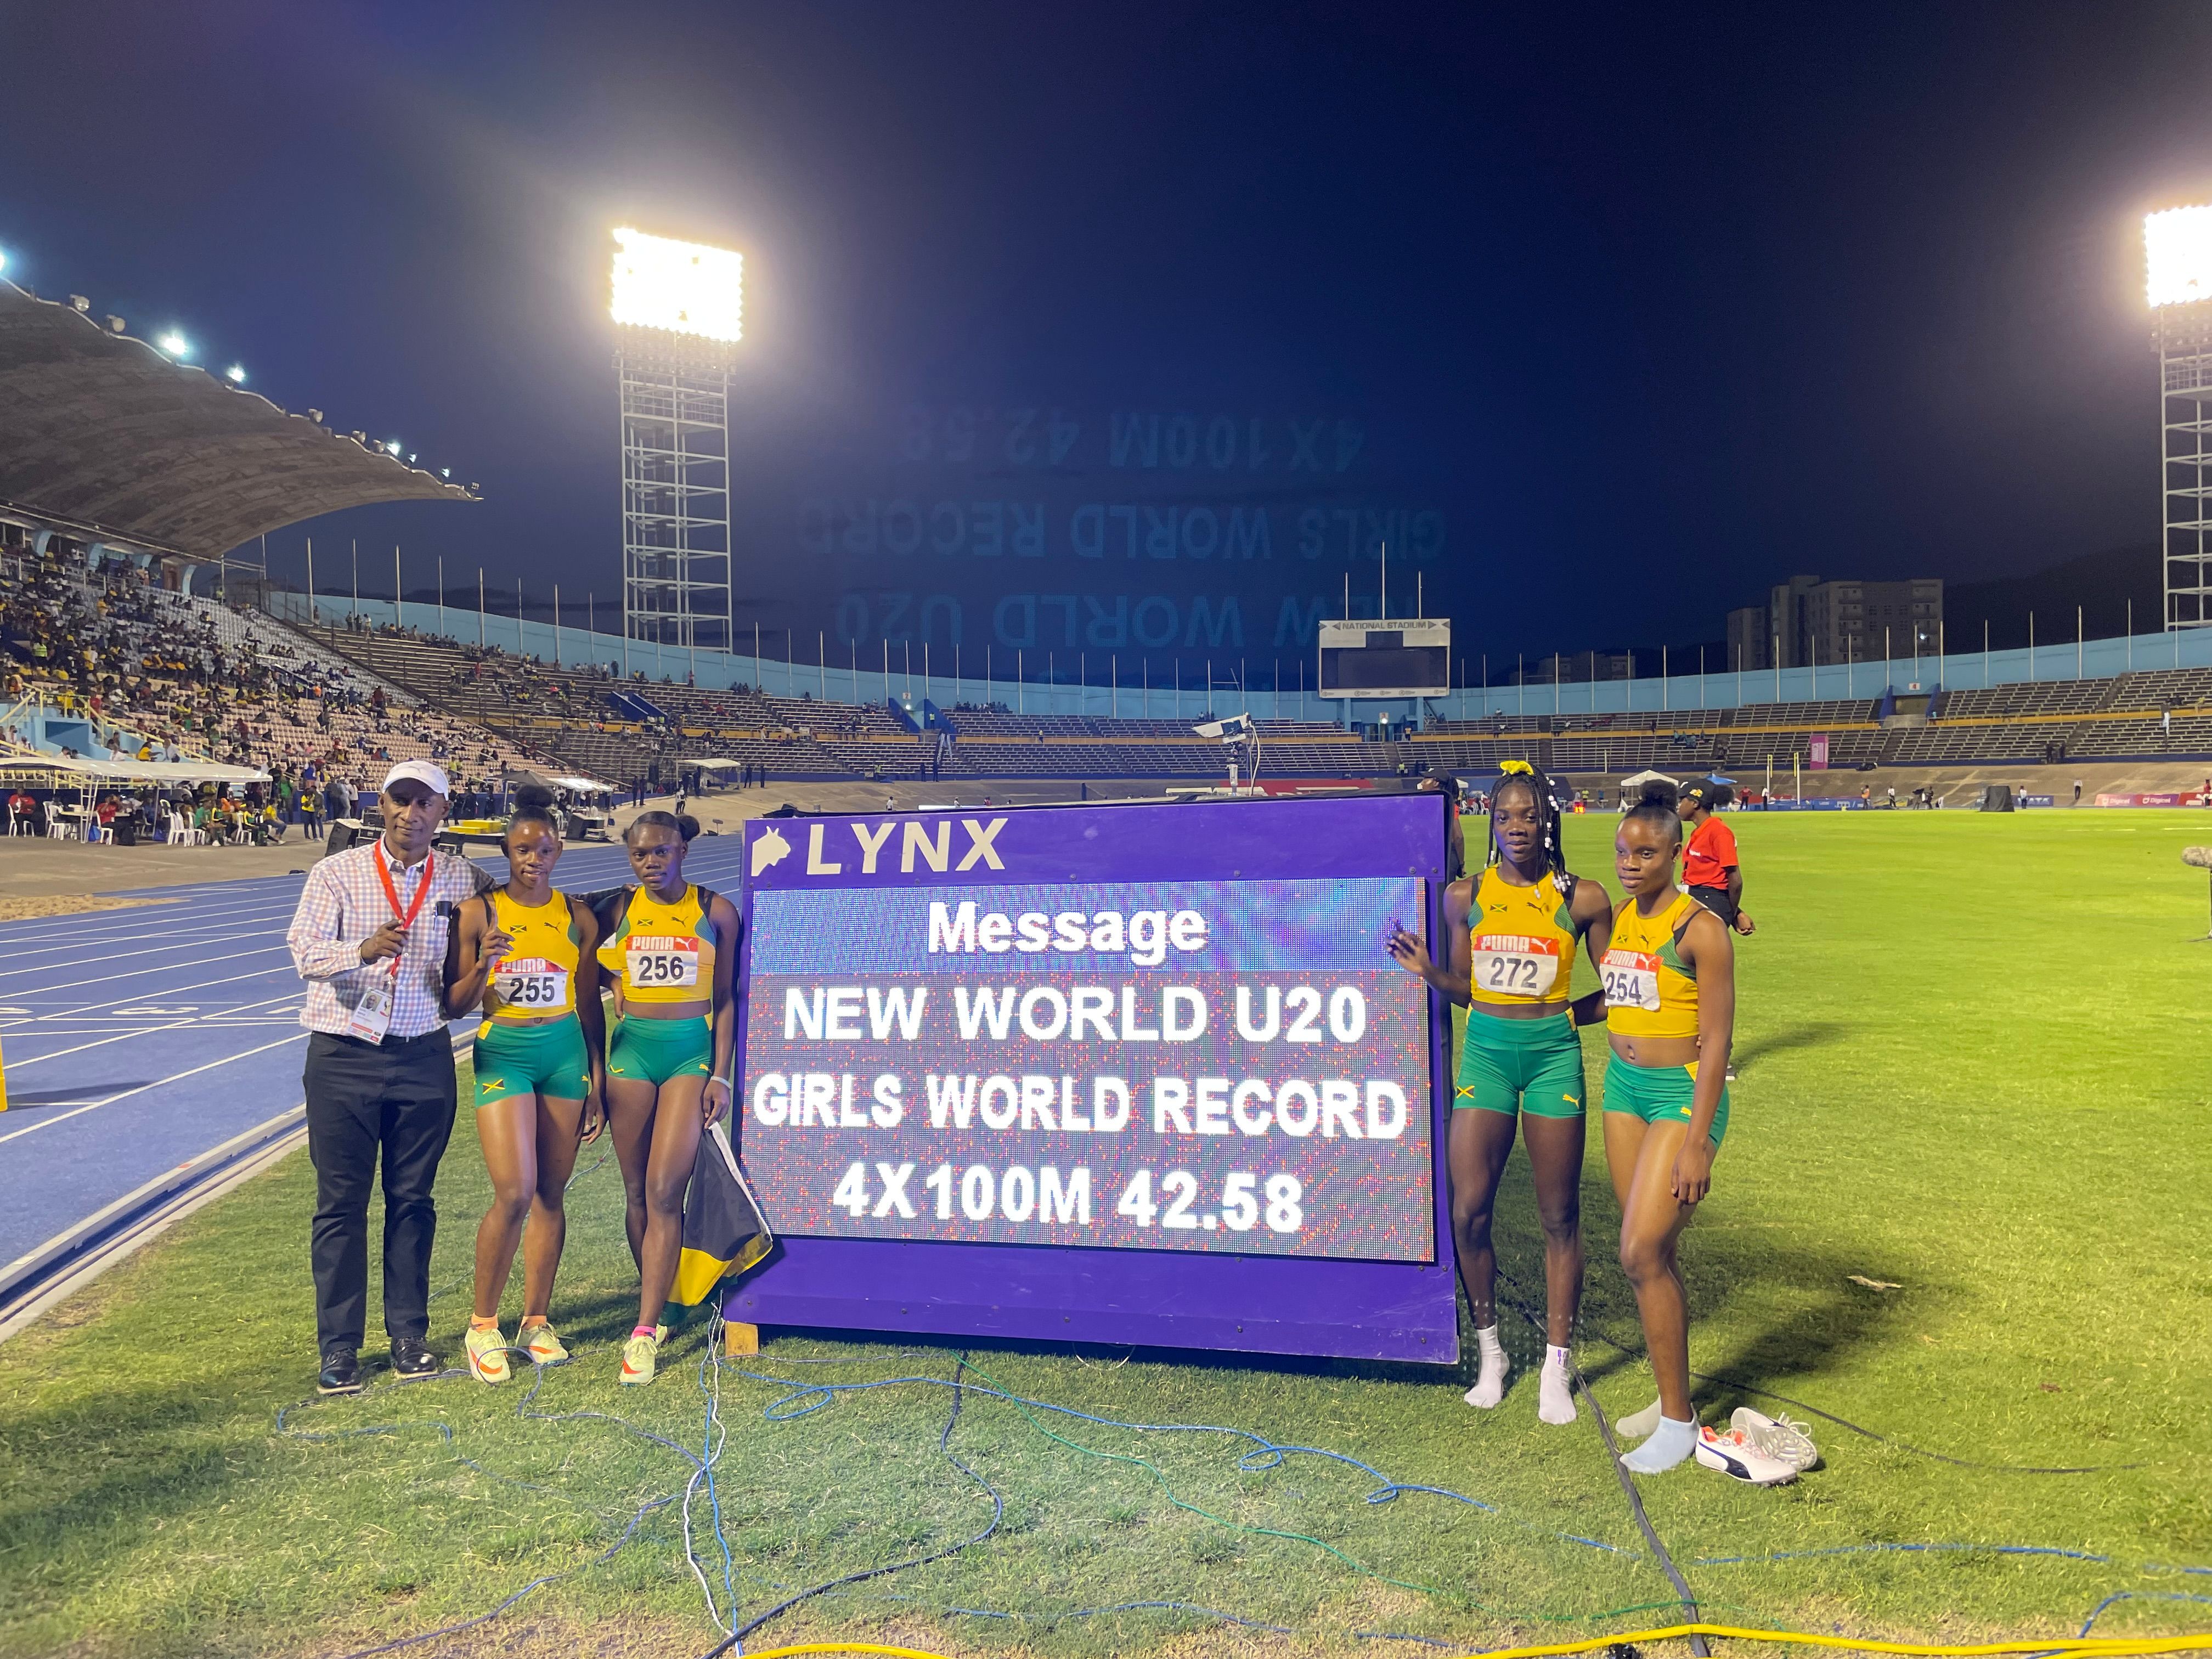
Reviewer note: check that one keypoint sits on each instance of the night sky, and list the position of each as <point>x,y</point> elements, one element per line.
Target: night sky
<point>1652,307</point>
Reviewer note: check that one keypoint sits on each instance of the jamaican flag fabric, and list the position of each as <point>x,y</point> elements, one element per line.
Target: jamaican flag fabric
<point>724,1230</point>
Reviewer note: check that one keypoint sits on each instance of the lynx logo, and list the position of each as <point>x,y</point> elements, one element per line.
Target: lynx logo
<point>769,848</point>
<point>930,845</point>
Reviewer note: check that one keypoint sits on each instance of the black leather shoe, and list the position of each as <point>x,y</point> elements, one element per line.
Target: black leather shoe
<point>341,1372</point>
<point>412,1360</point>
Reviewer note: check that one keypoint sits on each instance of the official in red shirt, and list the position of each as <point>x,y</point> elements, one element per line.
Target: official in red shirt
<point>1709,871</point>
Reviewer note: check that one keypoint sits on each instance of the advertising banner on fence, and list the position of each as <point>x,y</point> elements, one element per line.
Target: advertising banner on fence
<point>1154,1058</point>
<point>1818,745</point>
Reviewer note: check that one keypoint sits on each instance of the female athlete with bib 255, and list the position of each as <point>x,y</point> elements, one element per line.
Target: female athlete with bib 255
<point>671,946</point>
<point>523,954</point>
<point>1670,1013</point>
<point>1512,931</point>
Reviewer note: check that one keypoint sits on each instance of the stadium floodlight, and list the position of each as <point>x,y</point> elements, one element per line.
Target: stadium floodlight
<point>683,287</point>
<point>4,259</point>
<point>2177,245</point>
<point>392,447</point>
<point>175,344</point>
<point>235,375</point>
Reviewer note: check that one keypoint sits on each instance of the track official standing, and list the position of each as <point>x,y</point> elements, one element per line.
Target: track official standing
<point>1710,870</point>
<point>369,938</point>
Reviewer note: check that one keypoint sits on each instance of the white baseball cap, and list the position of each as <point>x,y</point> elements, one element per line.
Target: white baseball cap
<point>423,773</point>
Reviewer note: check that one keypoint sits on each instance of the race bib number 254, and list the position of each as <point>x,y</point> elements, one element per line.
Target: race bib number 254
<point>1631,979</point>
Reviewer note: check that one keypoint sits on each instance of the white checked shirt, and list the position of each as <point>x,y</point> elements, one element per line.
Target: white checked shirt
<point>343,904</point>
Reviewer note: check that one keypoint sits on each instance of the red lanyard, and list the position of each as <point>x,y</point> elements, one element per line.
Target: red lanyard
<point>391,893</point>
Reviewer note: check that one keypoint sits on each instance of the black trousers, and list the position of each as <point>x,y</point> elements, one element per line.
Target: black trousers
<point>1716,900</point>
<point>395,1100</point>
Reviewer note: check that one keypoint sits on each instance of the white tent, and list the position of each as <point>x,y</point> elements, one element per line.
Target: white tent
<point>1643,778</point>
<point>76,769</point>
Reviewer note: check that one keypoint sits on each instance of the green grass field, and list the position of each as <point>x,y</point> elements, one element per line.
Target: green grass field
<point>1973,1066</point>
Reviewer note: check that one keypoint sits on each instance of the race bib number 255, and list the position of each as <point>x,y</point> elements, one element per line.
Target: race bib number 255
<point>530,982</point>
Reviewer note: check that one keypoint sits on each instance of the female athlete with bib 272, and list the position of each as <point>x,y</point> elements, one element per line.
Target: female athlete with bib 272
<point>1670,1012</point>
<point>522,954</point>
<point>669,946</point>
<point>1512,932</point>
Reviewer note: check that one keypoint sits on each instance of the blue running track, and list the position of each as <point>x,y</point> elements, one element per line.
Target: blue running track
<point>136,1040</point>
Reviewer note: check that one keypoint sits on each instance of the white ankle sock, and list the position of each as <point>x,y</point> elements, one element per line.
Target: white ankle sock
<point>1555,1388</point>
<point>1637,1424</point>
<point>1668,1445</point>
<point>1490,1380</point>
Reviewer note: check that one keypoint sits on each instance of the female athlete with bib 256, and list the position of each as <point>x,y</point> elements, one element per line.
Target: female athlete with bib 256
<point>671,946</point>
<point>522,954</point>
<point>1512,932</point>
<point>1670,1013</point>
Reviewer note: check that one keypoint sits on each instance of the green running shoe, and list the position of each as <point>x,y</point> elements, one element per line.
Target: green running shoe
<point>487,1354</point>
<point>638,1354</point>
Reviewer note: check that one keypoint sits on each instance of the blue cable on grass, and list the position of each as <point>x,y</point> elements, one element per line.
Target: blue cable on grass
<point>2096,1611</point>
<point>734,1642</point>
<point>1265,1455</point>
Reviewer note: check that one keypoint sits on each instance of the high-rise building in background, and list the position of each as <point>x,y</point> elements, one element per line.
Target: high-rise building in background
<point>1807,621</point>
<point>1576,668</point>
<point>1854,621</point>
<point>1748,647</point>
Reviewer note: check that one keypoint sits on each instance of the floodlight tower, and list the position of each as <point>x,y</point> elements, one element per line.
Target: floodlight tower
<point>2178,245</point>
<point>679,311</point>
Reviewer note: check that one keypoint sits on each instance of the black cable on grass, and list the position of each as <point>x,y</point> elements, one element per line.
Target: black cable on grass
<point>1627,1484</point>
<point>734,1640</point>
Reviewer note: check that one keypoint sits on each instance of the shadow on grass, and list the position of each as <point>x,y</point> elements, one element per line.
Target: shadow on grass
<point>1814,1034</point>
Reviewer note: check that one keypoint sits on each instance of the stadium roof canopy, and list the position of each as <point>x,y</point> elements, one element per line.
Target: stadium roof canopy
<point>103,433</point>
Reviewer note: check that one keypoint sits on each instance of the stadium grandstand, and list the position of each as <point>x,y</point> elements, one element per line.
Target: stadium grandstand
<point>592,719</point>
<point>126,477</point>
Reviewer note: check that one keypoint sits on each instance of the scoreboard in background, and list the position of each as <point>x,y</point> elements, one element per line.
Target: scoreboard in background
<point>1384,660</point>
<point>1139,1073</point>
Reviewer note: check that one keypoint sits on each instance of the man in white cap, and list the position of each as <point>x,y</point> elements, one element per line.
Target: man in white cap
<point>369,939</point>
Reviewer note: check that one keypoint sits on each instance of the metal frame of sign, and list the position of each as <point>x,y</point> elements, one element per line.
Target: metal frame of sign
<point>1120,1295</point>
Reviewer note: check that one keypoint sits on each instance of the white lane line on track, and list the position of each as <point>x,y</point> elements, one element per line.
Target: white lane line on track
<point>144,949</point>
<point>27,992</point>
<point>124,1036</point>
<point>83,1009</point>
<point>165,926</point>
<point>179,1077</point>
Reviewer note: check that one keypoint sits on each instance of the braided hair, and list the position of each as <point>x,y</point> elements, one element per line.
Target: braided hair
<point>1520,775</point>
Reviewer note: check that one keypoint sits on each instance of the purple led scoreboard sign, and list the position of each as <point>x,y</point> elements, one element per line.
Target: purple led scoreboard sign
<point>1139,1073</point>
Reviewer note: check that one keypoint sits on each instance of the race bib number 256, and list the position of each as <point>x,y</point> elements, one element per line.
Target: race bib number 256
<point>662,959</point>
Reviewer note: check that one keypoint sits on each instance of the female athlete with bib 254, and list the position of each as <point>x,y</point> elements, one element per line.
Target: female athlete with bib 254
<point>1512,931</point>
<point>1670,1013</point>
<point>522,954</point>
<point>671,946</point>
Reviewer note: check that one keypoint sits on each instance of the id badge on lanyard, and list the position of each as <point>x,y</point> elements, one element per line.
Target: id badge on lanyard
<point>371,1018</point>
